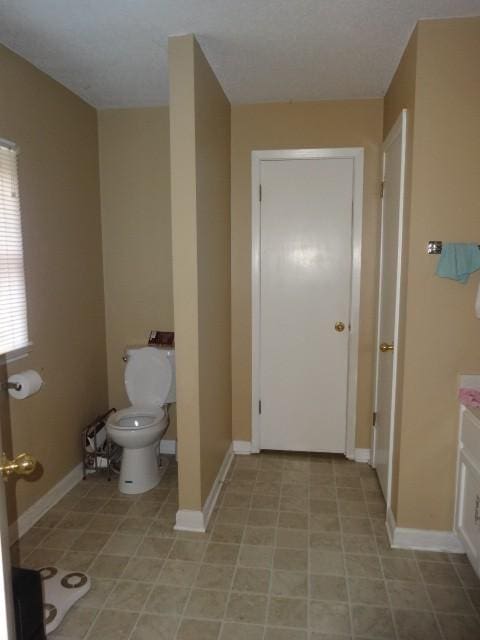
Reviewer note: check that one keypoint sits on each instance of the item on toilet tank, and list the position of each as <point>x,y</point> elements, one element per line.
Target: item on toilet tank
<point>162,338</point>
<point>29,383</point>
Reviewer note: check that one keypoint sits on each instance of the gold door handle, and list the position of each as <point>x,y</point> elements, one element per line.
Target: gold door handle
<point>386,347</point>
<point>22,465</point>
<point>339,326</point>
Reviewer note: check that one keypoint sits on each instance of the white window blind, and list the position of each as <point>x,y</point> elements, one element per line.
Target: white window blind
<point>13,304</point>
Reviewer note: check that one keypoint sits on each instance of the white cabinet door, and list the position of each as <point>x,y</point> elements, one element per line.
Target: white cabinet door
<point>468,509</point>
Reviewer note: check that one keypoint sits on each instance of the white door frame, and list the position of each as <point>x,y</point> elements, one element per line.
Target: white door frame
<point>356,154</point>
<point>398,129</point>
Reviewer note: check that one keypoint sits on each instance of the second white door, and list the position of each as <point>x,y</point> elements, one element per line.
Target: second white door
<point>394,158</point>
<point>305,294</point>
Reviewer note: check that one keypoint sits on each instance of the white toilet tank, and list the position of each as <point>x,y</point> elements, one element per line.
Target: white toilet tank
<point>150,376</point>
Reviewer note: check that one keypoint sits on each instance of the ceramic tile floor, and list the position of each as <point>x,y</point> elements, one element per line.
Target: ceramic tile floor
<point>296,550</point>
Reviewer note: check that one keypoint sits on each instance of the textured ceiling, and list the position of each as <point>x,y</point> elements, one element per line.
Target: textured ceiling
<point>113,53</point>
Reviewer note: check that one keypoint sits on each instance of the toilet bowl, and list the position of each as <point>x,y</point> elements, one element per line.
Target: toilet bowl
<point>150,385</point>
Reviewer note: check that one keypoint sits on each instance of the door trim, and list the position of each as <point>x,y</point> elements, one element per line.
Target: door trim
<point>357,155</point>
<point>398,129</point>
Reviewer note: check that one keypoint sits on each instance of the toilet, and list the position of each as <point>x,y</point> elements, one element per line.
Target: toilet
<point>150,385</point>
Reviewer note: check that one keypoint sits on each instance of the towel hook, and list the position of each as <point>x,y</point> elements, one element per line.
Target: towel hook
<point>434,247</point>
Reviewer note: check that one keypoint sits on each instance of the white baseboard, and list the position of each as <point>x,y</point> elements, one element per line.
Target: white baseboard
<point>189,520</point>
<point>33,514</point>
<point>196,520</point>
<point>242,447</point>
<point>390,525</point>
<point>422,539</point>
<point>211,501</point>
<point>168,447</point>
<point>362,455</point>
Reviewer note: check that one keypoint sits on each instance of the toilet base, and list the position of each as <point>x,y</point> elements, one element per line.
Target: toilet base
<point>139,471</point>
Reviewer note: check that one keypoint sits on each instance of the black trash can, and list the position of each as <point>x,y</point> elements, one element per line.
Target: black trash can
<point>28,604</point>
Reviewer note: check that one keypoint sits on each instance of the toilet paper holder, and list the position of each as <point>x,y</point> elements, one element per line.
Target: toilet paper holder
<point>5,386</point>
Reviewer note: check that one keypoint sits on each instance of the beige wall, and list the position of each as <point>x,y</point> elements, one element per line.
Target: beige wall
<point>441,329</point>
<point>355,123</point>
<point>58,170</point>
<point>134,148</point>
<point>200,152</point>
<point>212,135</point>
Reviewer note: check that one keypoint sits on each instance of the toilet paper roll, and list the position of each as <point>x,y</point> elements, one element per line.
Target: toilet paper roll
<point>30,382</point>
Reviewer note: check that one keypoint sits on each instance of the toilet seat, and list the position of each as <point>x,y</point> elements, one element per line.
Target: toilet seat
<point>136,418</point>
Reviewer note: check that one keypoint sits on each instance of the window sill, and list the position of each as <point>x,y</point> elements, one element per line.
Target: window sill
<point>16,354</point>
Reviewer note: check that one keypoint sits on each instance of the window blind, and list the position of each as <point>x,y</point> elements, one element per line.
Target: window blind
<point>13,304</point>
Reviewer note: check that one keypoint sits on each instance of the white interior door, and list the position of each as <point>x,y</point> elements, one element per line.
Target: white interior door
<point>305,290</point>
<point>6,600</point>
<point>389,300</point>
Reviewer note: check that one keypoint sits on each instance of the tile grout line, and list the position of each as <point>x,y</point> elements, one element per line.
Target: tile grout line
<point>384,580</point>
<point>344,558</point>
<point>181,616</point>
<point>99,551</point>
<point>270,581</point>
<point>176,538</point>
<point>97,615</point>
<point>309,557</point>
<point>117,580</point>
<point>85,530</point>
<point>232,580</point>
<point>389,599</point>
<point>425,586</point>
<point>120,577</point>
<point>465,589</point>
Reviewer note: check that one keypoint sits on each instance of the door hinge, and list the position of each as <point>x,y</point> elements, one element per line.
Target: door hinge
<point>374,418</point>
<point>260,192</point>
<point>259,406</point>
<point>382,188</point>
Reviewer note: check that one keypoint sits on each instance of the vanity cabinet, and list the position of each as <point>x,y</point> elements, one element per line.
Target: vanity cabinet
<point>467,510</point>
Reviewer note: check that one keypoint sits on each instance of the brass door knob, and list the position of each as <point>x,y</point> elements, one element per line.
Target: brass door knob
<point>386,347</point>
<point>22,465</point>
<point>339,326</point>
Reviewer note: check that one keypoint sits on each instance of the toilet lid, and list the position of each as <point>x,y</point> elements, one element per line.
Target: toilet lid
<point>148,376</point>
